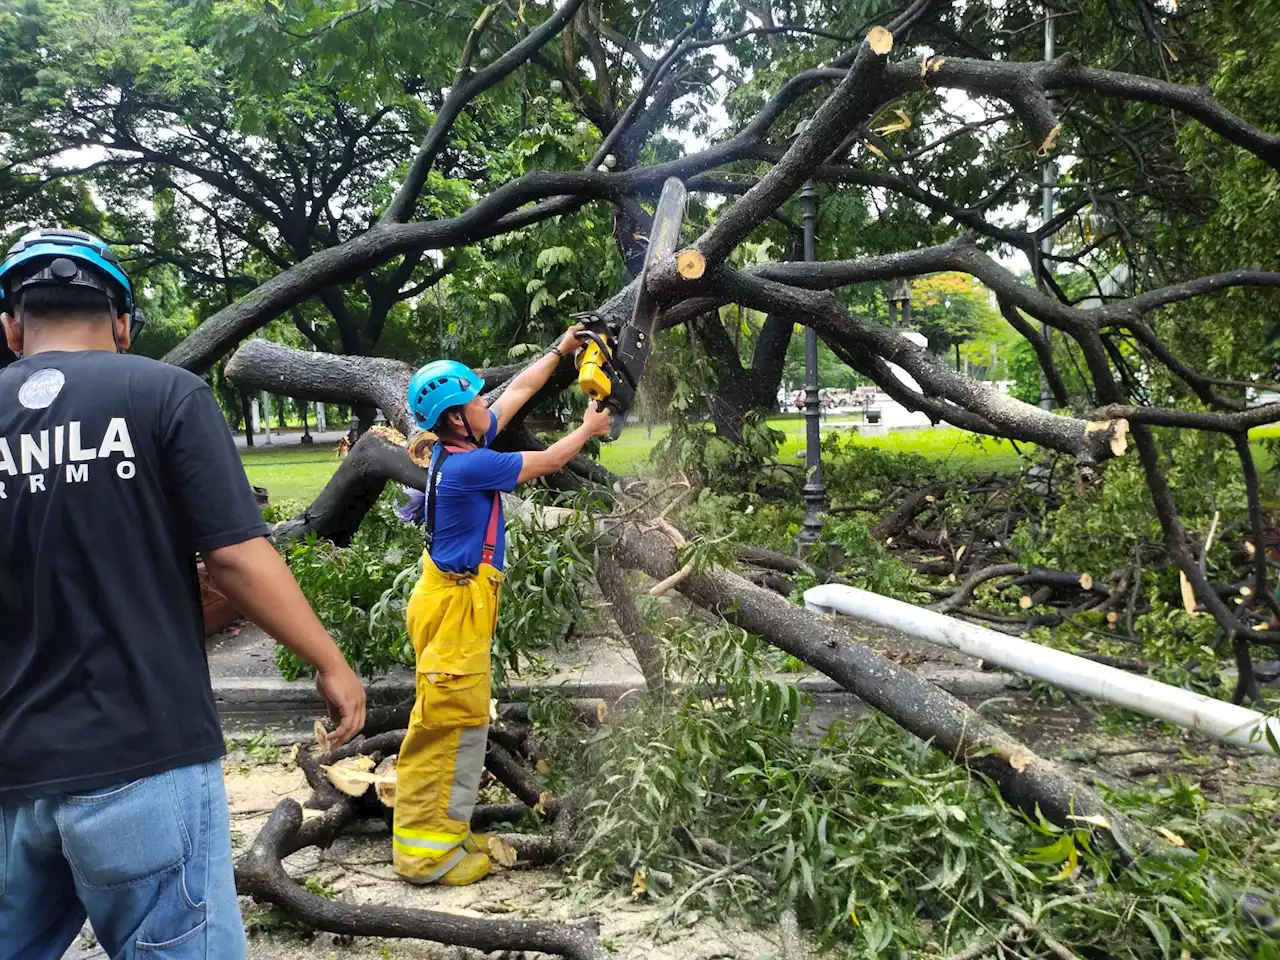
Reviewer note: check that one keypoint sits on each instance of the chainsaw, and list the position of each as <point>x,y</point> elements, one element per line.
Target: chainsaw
<point>614,356</point>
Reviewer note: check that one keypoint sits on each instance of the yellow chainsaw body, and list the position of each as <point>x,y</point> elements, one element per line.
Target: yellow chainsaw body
<point>592,379</point>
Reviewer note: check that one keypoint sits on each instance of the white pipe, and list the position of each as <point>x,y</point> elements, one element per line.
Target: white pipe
<point>1216,718</point>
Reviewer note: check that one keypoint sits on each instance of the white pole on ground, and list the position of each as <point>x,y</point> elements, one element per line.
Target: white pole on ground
<point>1228,722</point>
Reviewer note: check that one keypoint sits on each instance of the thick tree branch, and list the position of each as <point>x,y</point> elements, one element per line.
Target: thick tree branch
<point>460,95</point>
<point>852,102</point>
<point>917,705</point>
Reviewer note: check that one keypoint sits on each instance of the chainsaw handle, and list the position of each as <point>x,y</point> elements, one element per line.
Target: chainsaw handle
<point>618,420</point>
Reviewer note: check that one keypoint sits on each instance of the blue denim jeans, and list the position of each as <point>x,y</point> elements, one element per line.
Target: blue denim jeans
<point>148,862</point>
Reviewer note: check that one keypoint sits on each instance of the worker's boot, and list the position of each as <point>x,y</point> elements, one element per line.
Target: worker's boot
<point>472,867</point>
<point>476,843</point>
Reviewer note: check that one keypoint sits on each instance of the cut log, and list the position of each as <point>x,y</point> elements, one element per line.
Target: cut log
<point>352,775</point>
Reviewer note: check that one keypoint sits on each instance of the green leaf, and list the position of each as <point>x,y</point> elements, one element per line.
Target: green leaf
<point>540,299</point>
<point>554,257</point>
<point>1159,930</point>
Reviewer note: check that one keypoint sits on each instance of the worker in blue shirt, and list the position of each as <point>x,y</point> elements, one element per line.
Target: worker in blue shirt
<point>453,609</point>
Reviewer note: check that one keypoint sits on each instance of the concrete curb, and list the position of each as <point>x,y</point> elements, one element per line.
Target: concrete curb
<point>246,695</point>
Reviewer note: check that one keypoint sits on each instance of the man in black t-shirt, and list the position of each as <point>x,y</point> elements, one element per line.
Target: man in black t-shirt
<point>115,471</point>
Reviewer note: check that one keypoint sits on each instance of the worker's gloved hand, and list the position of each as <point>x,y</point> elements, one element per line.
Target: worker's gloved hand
<point>570,342</point>
<point>344,694</point>
<point>596,420</point>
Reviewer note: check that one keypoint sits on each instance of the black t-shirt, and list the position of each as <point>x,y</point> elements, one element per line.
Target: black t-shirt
<point>114,471</point>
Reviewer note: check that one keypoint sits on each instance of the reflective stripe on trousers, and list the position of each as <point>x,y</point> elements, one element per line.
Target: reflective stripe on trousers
<point>451,620</point>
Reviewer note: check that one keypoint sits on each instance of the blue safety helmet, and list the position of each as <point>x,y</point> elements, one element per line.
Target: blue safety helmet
<point>55,257</point>
<point>439,385</point>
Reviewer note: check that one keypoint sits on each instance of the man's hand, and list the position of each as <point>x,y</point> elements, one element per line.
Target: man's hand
<point>344,693</point>
<point>258,582</point>
<point>539,463</point>
<point>596,420</point>
<point>571,342</point>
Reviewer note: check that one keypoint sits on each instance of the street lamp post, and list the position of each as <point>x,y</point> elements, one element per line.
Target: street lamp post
<point>815,494</point>
<point>898,293</point>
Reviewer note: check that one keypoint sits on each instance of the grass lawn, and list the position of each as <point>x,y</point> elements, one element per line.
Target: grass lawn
<point>627,454</point>
<point>298,473</point>
<point>293,472</point>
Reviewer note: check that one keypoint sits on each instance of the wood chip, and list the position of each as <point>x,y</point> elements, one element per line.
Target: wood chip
<point>1112,617</point>
<point>1020,758</point>
<point>1246,591</point>
<point>1189,602</point>
<point>503,852</point>
<point>602,711</point>
<point>1172,837</point>
<point>1249,548</point>
<point>1025,602</point>
<point>1086,581</point>
<point>541,806</point>
<point>322,737</point>
<point>1094,821</point>
<point>543,767</point>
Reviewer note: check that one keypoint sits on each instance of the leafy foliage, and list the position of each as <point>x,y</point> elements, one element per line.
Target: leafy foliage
<point>883,845</point>
<point>693,450</point>
<point>1098,529</point>
<point>345,585</point>
<point>361,592</point>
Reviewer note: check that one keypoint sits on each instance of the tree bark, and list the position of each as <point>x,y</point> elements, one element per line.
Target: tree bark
<point>622,607</point>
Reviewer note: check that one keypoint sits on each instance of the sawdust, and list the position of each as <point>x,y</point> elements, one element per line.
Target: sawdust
<point>358,870</point>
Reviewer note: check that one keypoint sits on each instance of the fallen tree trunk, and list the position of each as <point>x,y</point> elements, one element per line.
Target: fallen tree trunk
<point>1025,779</point>
<point>262,876</point>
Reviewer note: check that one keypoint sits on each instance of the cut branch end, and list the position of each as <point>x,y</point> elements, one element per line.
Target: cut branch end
<point>691,264</point>
<point>1050,141</point>
<point>880,40</point>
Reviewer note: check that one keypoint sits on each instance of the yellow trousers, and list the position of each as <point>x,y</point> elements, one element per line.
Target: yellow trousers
<point>451,619</point>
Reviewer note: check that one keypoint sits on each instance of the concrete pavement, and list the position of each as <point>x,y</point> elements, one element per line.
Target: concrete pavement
<point>289,437</point>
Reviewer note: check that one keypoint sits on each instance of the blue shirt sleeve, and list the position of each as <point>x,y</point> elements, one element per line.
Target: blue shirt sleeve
<point>493,428</point>
<point>485,470</point>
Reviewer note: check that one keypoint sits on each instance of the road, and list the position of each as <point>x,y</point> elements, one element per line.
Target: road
<point>293,437</point>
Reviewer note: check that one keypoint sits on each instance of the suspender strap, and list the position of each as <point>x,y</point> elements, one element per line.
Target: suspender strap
<point>433,475</point>
<point>491,533</point>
